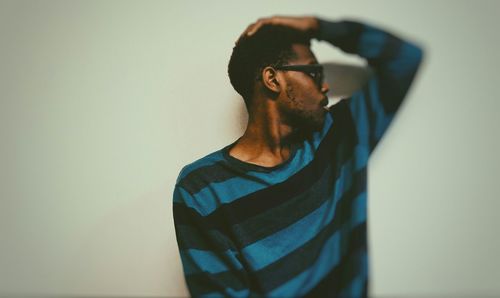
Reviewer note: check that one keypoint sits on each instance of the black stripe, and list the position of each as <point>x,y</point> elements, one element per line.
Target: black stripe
<point>201,177</point>
<point>364,294</point>
<point>346,35</point>
<point>192,237</point>
<point>204,282</point>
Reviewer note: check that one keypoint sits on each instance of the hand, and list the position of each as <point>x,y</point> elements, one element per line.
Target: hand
<point>306,24</point>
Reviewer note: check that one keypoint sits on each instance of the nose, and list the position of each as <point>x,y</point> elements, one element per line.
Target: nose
<point>325,88</point>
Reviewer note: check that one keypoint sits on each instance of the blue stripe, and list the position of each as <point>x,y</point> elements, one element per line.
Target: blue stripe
<point>406,62</point>
<point>196,261</point>
<point>359,209</point>
<point>306,280</point>
<point>371,42</point>
<point>361,155</point>
<point>180,195</point>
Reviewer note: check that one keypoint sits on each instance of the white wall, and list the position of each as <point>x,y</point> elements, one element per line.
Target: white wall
<point>102,103</point>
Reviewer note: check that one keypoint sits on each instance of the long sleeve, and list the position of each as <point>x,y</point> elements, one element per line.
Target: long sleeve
<point>210,261</point>
<point>395,63</point>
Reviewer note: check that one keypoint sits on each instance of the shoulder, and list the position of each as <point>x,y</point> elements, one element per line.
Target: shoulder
<point>193,185</point>
<point>199,166</point>
<point>196,175</point>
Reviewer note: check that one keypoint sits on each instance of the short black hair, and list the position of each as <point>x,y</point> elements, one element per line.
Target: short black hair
<point>271,45</point>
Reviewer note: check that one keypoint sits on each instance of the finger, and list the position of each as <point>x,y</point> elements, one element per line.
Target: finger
<point>244,33</point>
<point>258,25</point>
<point>253,30</point>
<point>254,27</point>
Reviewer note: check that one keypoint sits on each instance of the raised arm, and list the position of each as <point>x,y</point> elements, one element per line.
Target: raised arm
<point>395,62</point>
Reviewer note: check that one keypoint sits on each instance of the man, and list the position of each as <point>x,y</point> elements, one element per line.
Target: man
<point>281,212</point>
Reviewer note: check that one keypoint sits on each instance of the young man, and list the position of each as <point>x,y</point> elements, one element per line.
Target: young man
<point>281,212</point>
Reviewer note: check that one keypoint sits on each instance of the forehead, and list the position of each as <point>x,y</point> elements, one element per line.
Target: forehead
<point>304,54</point>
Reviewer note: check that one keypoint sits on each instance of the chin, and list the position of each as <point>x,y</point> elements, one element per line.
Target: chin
<point>312,125</point>
<point>309,123</point>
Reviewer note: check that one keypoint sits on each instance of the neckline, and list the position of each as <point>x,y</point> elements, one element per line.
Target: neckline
<point>254,167</point>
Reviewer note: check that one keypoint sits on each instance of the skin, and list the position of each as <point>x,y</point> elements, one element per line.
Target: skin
<point>287,105</point>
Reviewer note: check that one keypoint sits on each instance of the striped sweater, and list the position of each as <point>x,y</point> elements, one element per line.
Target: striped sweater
<point>299,228</point>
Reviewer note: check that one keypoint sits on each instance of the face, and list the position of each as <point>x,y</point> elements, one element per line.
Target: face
<point>302,102</point>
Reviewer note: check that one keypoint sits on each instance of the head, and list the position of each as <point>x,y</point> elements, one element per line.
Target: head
<point>256,71</point>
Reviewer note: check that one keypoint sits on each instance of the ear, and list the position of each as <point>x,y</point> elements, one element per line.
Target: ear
<point>270,79</point>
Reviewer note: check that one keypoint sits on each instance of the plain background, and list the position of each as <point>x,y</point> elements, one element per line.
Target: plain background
<point>102,103</point>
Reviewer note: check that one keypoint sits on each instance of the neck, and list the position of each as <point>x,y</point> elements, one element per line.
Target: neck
<point>267,140</point>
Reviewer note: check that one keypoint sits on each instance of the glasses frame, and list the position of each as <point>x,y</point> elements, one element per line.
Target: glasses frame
<point>315,71</point>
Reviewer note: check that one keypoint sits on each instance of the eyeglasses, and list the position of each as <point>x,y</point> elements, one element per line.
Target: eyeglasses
<point>315,71</point>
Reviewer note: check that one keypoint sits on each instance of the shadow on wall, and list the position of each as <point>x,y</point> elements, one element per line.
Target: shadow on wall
<point>343,79</point>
